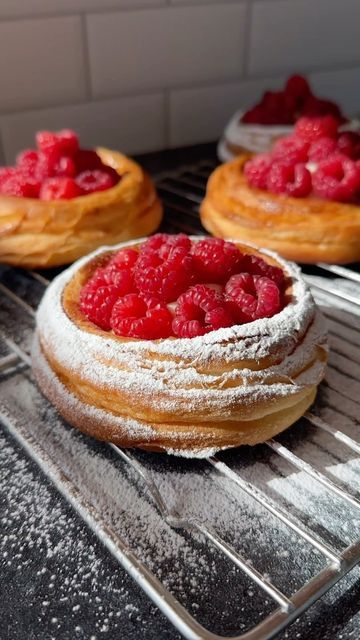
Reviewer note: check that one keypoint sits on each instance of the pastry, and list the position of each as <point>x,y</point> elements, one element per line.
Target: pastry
<point>301,200</point>
<point>273,117</point>
<point>60,202</point>
<point>179,345</point>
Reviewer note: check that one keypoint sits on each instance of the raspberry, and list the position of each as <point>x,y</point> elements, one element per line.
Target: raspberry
<point>322,149</point>
<point>215,260</point>
<point>163,243</point>
<point>257,266</point>
<point>97,303</point>
<point>7,172</point>
<point>87,160</point>
<point>349,144</point>
<point>59,188</point>
<point>165,279</point>
<point>337,178</point>
<point>90,181</point>
<point>255,115</point>
<point>316,107</point>
<point>124,259</point>
<point>291,149</point>
<point>19,184</point>
<point>63,142</point>
<point>27,161</point>
<point>65,166</point>
<point>294,180</point>
<point>311,129</point>
<point>298,87</point>
<point>200,310</point>
<point>257,170</point>
<point>252,297</point>
<point>132,317</point>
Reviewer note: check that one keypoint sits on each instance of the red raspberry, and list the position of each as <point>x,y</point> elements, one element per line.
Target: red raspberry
<point>337,178</point>
<point>298,87</point>
<point>311,129</point>
<point>90,181</point>
<point>349,144</point>
<point>27,161</point>
<point>200,310</point>
<point>294,180</point>
<point>255,115</point>
<point>87,160</point>
<point>124,259</point>
<point>316,107</point>
<point>291,150</point>
<point>97,303</point>
<point>65,166</point>
<point>59,188</point>
<point>257,170</point>
<point>7,172</point>
<point>163,244</point>
<point>322,149</point>
<point>257,266</point>
<point>63,142</point>
<point>132,317</point>
<point>165,279</point>
<point>19,184</point>
<point>215,260</point>
<point>252,297</point>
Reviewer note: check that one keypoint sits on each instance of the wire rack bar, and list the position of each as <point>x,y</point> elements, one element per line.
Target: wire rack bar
<point>8,361</point>
<point>336,293</point>
<point>269,504</point>
<point>339,435</point>
<point>19,301</point>
<point>304,466</point>
<point>344,272</point>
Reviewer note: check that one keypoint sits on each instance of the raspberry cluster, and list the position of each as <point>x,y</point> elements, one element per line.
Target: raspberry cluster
<point>172,286</point>
<point>316,160</point>
<point>57,170</point>
<point>285,107</point>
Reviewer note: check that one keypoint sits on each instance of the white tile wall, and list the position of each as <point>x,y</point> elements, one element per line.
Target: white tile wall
<point>146,74</point>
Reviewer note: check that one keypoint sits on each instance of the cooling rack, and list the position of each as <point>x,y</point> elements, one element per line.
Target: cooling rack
<point>237,545</point>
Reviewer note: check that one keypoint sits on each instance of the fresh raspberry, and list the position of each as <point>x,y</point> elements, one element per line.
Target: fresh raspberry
<point>252,297</point>
<point>97,303</point>
<point>298,87</point>
<point>257,170</point>
<point>27,161</point>
<point>124,259</point>
<point>215,260</point>
<point>317,107</point>
<point>279,107</point>
<point>200,310</point>
<point>311,129</point>
<point>65,166</point>
<point>90,181</point>
<point>256,266</point>
<point>132,317</point>
<point>163,244</point>
<point>321,149</point>
<point>165,279</point>
<point>294,180</point>
<point>349,144</point>
<point>291,149</point>
<point>87,160</point>
<point>337,178</point>
<point>59,188</point>
<point>63,142</point>
<point>20,185</point>
<point>255,115</point>
<point>7,172</point>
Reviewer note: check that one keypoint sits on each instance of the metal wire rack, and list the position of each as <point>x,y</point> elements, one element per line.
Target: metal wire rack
<point>333,553</point>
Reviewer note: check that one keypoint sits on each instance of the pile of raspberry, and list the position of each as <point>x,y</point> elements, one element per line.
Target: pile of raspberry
<point>172,286</point>
<point>57,170</point>
<point>285,107</point>
<point>316,160</point>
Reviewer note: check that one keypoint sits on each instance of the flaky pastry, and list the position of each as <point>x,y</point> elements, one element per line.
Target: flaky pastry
<point>307,230</point>
<point>187,396</point>
<point>36,233</point>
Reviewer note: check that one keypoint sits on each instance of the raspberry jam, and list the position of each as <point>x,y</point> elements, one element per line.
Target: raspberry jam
<point>173,287</point>
<point>57,170</point>
<point>315,160</point>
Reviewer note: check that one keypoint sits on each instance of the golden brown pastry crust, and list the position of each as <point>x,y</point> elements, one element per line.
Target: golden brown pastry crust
<point>37,234</point>
<point>302,229</point>
<point>234,386</point>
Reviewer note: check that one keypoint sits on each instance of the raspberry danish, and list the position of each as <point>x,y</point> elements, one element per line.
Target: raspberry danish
<point>226,348</point>
<point>60,201</point>
<point>301,199</point>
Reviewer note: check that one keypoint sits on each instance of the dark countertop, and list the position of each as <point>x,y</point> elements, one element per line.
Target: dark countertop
<point>58,582</point>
